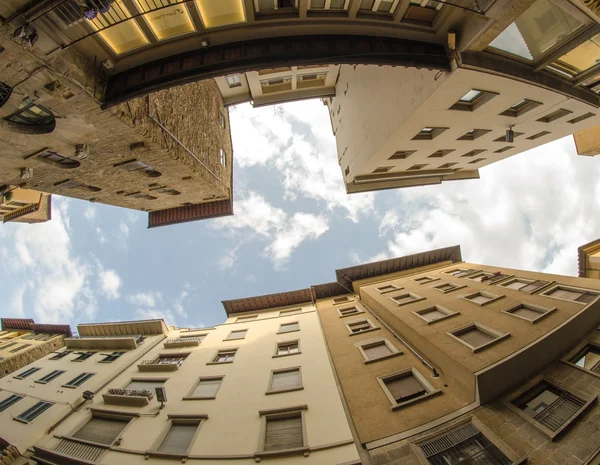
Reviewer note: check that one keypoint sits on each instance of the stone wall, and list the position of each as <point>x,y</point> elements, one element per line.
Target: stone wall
<point>24,358</point>
<point>8,454</point>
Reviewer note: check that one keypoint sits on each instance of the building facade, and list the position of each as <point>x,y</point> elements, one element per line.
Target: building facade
<point>587,142</point>
<point>589,260</point>
<point>446,362</point>
<point>25,206</point>
<point>147,154</point>
<point>23,341</point>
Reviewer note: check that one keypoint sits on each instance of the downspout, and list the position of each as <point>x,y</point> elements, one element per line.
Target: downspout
<point>73,410</point>
<point>390,329</point>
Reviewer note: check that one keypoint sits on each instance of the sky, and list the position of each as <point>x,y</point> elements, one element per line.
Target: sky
<point>294,225</point>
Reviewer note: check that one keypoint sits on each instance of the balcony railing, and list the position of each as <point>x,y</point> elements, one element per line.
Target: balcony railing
<point>161,364</point>
<point>182,342</point>
<point>128,397</point>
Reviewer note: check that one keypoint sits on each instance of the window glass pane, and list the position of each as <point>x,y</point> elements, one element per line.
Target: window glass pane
<point>167,22</point>
<point>542,26</point>
<point>580,58</point>
<point>589,359</point>
<point>337,4</point>
<point>366,4</point>
<point>317,4</point>
<point>223,12</point>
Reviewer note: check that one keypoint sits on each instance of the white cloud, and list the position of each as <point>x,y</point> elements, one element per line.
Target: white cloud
<point>110,284</point>
<point>124,229</point>
<point>100,235</point>
<point>145,299</point>
<point>297,140</point>
<point>531,212</point>
<point>285,234</point>
<point>90,213</point>
<point>58,283</point>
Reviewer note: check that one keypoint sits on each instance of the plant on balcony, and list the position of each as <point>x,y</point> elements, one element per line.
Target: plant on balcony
<point>131,393</point>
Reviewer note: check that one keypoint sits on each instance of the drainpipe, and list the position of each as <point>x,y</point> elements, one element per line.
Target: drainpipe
<point>391,330</point>
<point>110,380</point>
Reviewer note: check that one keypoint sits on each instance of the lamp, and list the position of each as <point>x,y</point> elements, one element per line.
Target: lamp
<point>510,135</point>
<point>88,396</point>
<point>161,395</point>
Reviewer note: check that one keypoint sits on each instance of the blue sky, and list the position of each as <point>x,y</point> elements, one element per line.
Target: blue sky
<point>293,226</point>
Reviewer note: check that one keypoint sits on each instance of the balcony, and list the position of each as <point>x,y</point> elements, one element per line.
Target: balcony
<point>128,397</point>
<point>108,342</point>
<point>161,364</point>
<point>182,342</point>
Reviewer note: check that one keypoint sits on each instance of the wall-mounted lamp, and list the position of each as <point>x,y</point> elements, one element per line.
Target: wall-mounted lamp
<point>161,396</point>
<point>88,396</point>
<point>510,135</point>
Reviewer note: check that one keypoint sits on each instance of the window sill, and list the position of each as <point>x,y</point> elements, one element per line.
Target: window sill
<point>103,361</point>
<point>447,291</point>
<point>165,455</point>
<point>365,331</point>
<point>286,355</point>
<point>41,382</point>
<point>218,363</point>
<point>199,398</point>
<point>234,339</point>
<point>415,400</point>
<point>351,314</point>
<point>286,332</point>
<point>284,390</point>
<point>69,387</point>
<point>279,453</point>
<point>400,304</point>
<point>385,357</point>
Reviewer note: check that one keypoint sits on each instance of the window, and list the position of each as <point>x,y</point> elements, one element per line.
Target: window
<point>480,277</point>
<point>166,22</point>
<point>273,5</point>
<point>289,327</point>
<point>494,278</point>
<point>205,388</point>
<point>551,406</point>
<point>328,4</point>
<point>538,135</point>
<point>347,311</point>
<point>283,430</point>
<point>73,184</point>
<point>477,337</point>
<point>33,412</point>
<point>588,358</point>
<point>341,300</point>
<point>529,312</point>
<point>381,349</point>
<point>222,157</point>
<point>18,349</point>
<point>378,6</point>
<point>417,167</point>
<point>121,37</point>
<point>407,298</point>
<point>382,169</point>
<point>525,285</point>
<point>287,348</point>
<point>406,387</point>
<point>360,326</point>
<point>387,288</point>
<point>463,445</point>
<point>474,134</point>
<point>579,59</point>
<point>134,165</point>
<point>448,287</point>
<point>222,120</point>
<point>435,314</point>
<point>239,334</point>
<point>447,165</point>
<point>79,380</point>
<point>460,272</point>
<point>477,160</point>
<point>246,318</point>
<point>581,118</point>
<point>199,337</point>
<point>28,372</point>
<point>573,294</point>
<point>472,153</point>
<point>111,357</point>
<point>7,345</point>
<point>402,154</point>
<point>473,99</point>
<point>50,376</point>
<point>228,12</point>
<point>502,138</point>
<point>224,356</point>
<point>428,133</point>
<point>141,384</point>
<point>293,311</point>
<point>58,160</point>
<point>59,355</point>
<point>554,115</point>
<point>288,379</point>
<point>102,430</point>
<point>233,81</point>
<point>5,92</point>
<point>482,298</point>
<point>520,108</point>
<point>556,25</point>
<point>440,153</point>
<point>31,118</point>
<point>180,436</point>
<point>504,149</point>
<point>10,400</point>
<point>82,356</point>
<point>425,279</point>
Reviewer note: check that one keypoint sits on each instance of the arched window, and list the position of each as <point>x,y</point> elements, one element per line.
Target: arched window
<point>58,160</point>
<point>31,118</point>
<point>5,91</point>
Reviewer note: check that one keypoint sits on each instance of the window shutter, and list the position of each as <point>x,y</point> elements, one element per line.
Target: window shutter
<point>284,433</point>
<point>101,430</point>
<point>178,439</point>
<point>560,411</point>
<point>475,338</point>
<point>534,286</point>
<point>4,404</point>
<point>285,380</point>
<point>144,385</point>
<point>34,411</point>
<point>404,387</point>
<point>517,285</point>
<point>586,297</point>
<point>480,299</point>
<point>207,388</point>
<point>378,351</point>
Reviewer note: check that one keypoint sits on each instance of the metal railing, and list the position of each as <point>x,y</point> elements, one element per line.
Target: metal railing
<point>164,361</point>
<point>131,393</point>
<point>79,450</point>
<point>183,340</point>
<point>559,411</point>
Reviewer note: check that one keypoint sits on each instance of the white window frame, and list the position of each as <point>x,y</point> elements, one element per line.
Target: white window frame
<point>213,360</point>
<point>280,343</point>
<point>237,82</point>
